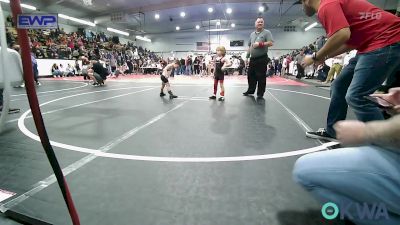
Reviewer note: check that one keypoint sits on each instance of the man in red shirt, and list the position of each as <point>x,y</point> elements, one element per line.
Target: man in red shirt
<point>375,34</point>
<point>366,175</point>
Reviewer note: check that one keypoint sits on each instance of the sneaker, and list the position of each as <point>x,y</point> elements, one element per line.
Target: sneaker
<point>171,95</point>
<point>13,111</point>
<point>38,83</point>
<point>247,93</point>
<point>162,94</point>
<point>212,97</point>
<point>320,134</point>
<point>221,99</point>
<point>259,97</point>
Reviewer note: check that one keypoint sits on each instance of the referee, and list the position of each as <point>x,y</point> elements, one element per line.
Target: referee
<point>260,40</point>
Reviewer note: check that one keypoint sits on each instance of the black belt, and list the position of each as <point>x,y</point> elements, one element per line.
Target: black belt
<point>259,57</point>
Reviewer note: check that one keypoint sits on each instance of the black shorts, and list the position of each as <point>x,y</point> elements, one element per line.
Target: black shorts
<point>219,76</point>
<point>164,79</point>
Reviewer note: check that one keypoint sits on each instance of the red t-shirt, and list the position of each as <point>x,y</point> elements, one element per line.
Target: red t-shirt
<point>371,27</point>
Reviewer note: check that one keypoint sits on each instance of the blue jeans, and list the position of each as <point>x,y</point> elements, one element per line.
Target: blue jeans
<point>189,70</point>
<point>364,74</point>
<point>182,70</point>
<point>367,174</point>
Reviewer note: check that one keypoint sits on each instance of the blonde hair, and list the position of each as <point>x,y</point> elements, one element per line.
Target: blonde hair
<point>222,49</point>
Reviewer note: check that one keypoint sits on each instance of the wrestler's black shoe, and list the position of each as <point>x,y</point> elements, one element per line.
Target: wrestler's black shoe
<point>162,94</point>
<point>171,95</point>
<point>11,111</point>
<point>212,97</point>
<point>221,99</point>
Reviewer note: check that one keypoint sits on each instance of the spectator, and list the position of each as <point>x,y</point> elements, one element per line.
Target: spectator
<point>366,173</point>
<point>130,66</point>
<point>69,71</point>
<point>189,63</point>
<point>336,68</point>
<point>62,70</point>
<point>285,66</point>
<point>55,71</point>
<point>196,65</point>
<point>322,71</point>
<point>378,57</point>
<point>270,70</point>
<point>35,69</point>
<point>98,73</point>
<point>183,67</point>
<point>77,68</point>
<point>320,42</point>
<point>85,68</point>
<point>241,65</point>
<point>299,59</point>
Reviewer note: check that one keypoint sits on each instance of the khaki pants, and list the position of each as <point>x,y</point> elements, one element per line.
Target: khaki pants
<point>336,68</point>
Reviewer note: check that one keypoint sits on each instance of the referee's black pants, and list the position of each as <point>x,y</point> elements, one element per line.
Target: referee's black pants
<point>257,75</point>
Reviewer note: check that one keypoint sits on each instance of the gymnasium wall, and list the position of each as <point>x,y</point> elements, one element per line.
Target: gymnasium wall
<point>386,4</point>
<point>44,65</point>
<point>186,41</point>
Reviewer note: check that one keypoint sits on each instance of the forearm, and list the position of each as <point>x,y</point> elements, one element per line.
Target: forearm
<point>335,44</point>
<point>342,49</point>
<point>227,63</point>
<point>384,133</point>
<point>268,44</point>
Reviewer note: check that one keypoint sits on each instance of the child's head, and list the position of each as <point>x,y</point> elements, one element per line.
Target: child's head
<point>221,51</point>
<point>177,63</point>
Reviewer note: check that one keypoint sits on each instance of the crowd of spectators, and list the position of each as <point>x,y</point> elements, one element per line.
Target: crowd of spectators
<point>204,64</point>
<point>128,58</point>
<point>290,64</point>
<point>58,44</point>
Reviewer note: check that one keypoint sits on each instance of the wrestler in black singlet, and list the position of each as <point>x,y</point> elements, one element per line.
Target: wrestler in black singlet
<point>218,73</point>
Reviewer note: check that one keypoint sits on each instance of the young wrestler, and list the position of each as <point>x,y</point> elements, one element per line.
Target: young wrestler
<point>164,78</point>
<point>220,64</point>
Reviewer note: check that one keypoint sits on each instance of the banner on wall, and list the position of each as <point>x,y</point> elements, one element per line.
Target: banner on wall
<point>202,46</point>
<point>238,43</point>
<point>37,21</point>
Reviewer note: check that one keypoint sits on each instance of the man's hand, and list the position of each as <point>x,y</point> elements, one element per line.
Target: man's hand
<point>395,110</point>
<point>393,97</point>
<point>262,44</point>
<point>351,133</point>
<point>308,60</point>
